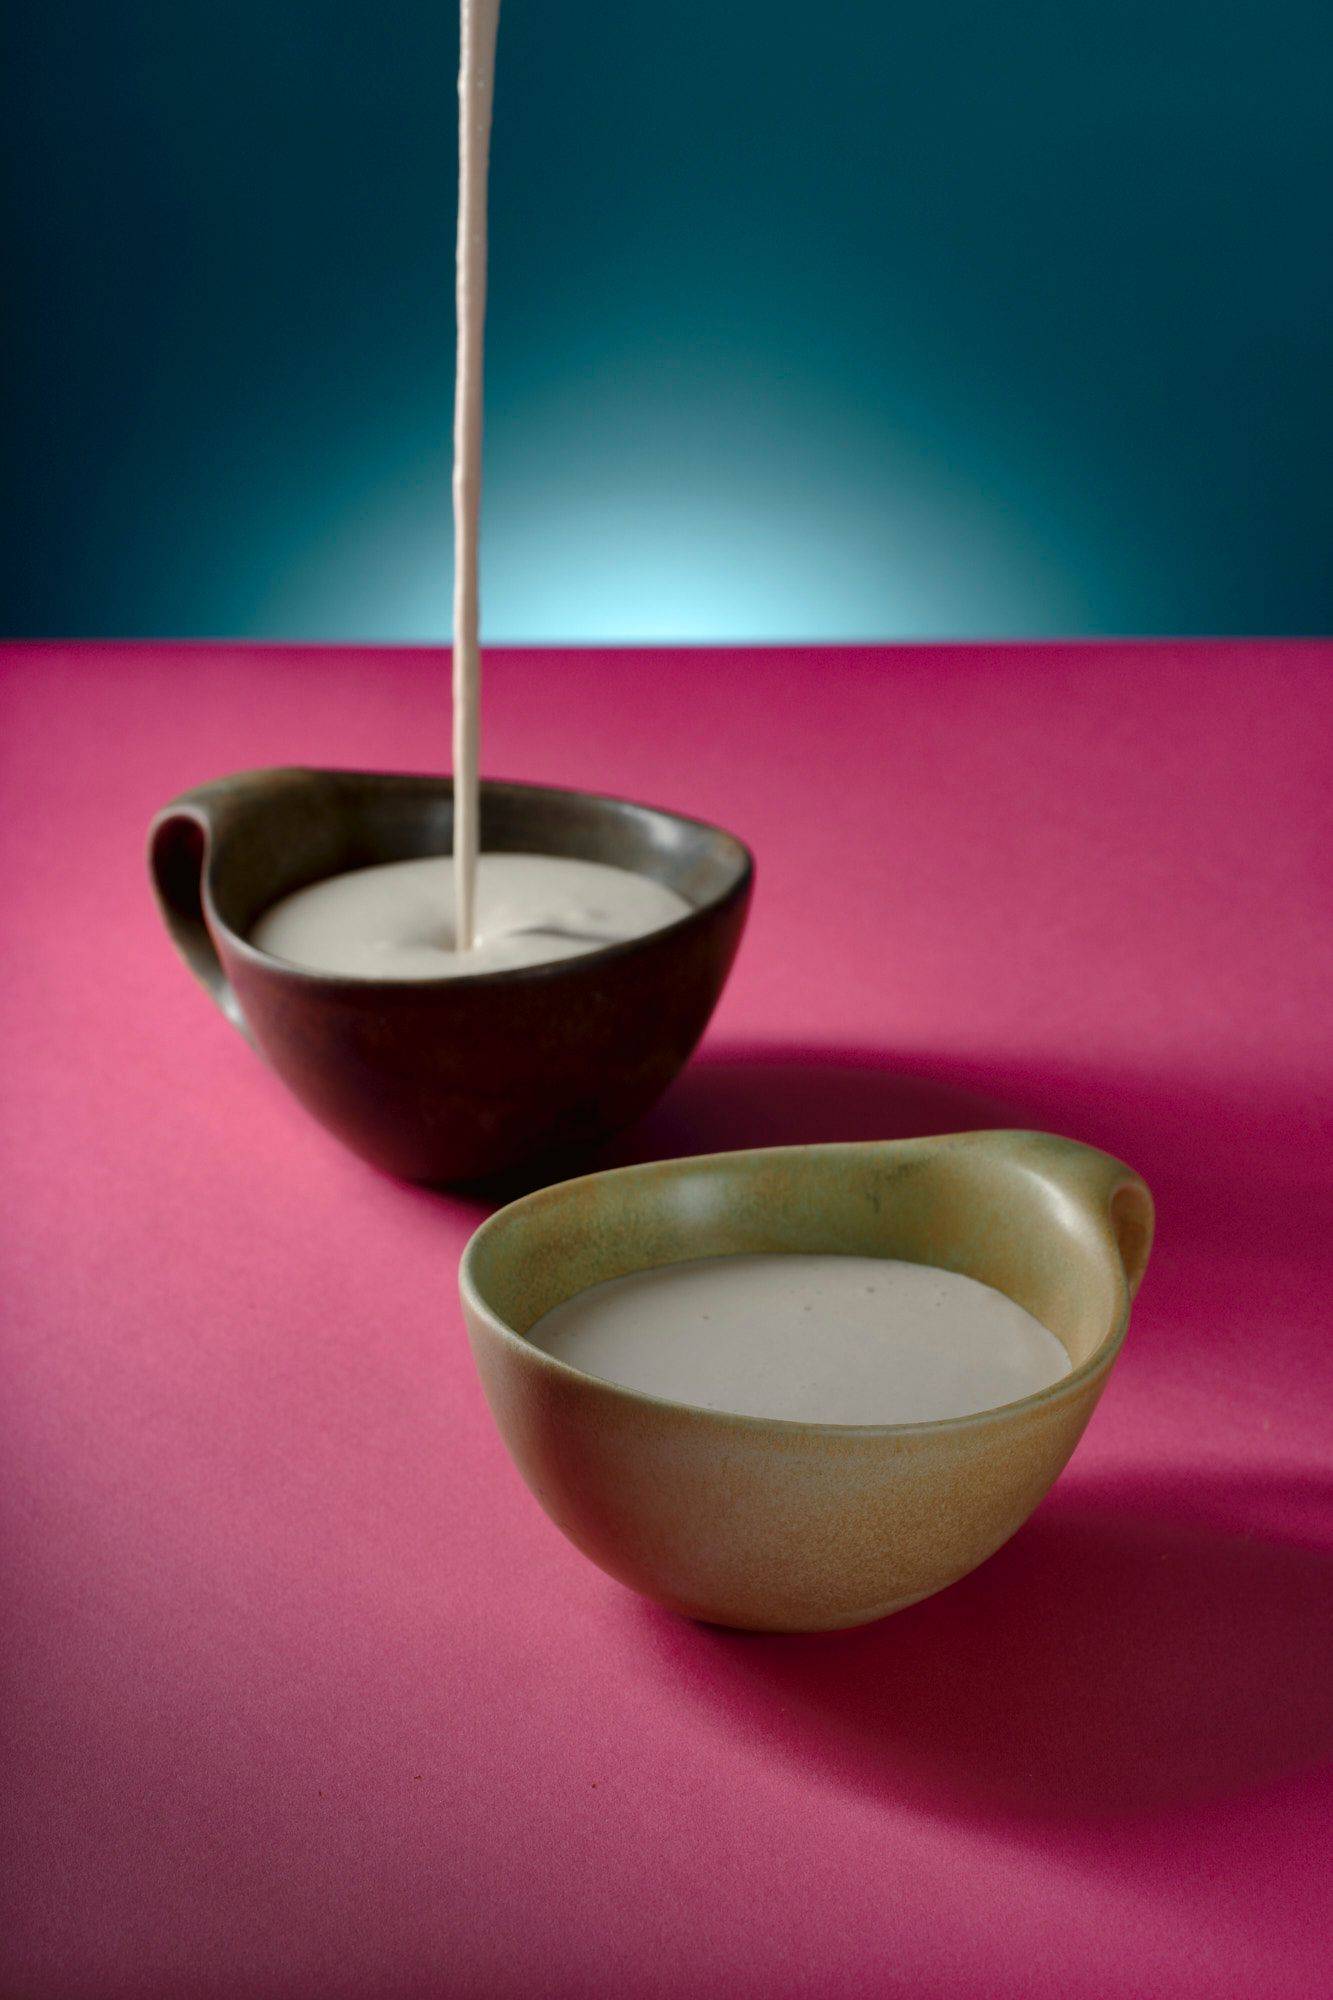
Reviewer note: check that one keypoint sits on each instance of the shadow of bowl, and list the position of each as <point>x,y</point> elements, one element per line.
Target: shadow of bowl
<point>1143,1644</point>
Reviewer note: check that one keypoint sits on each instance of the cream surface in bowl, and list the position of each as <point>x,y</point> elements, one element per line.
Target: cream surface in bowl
<point>768,1523</point>
<point>810,1338</point>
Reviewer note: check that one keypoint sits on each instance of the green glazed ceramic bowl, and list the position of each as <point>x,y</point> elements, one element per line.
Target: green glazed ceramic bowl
<point>779,1526</point>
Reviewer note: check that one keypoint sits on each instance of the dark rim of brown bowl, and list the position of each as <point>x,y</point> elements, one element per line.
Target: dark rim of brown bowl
<point>515,974</point>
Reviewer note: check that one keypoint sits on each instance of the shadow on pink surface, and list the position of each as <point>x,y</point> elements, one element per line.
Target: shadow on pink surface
<point>1238,1170</point>
<point>1141,1645</point>
<point>1228,1155</point>
<point>1191,1127</point>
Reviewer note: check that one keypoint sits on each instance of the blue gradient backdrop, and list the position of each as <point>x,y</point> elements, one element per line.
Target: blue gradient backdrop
<point>960,320</point>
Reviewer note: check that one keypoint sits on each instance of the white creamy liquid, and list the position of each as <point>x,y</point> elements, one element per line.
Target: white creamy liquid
<point>476,89</point>
<point>397,921</point>
<point>834,1340</point>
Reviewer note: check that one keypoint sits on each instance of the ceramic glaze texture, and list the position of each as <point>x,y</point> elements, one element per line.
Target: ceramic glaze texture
<point>450,1079</point>
<point>780,1526</point>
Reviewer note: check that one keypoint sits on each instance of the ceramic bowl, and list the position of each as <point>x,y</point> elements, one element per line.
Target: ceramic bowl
<point>450,1079</point>
<point>782,1526</point>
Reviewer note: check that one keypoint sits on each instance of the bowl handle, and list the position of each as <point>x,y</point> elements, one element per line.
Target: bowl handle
<point>1132,1218</point>
<point>1118,1202</point>
<point>180,843</point>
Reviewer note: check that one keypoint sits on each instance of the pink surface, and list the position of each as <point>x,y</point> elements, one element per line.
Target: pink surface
<point>305,1695</point>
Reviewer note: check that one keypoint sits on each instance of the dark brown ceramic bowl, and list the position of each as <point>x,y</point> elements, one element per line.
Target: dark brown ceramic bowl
<point>450,1079</point>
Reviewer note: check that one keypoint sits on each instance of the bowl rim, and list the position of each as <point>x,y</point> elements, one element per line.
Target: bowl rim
<point>739,887</point>
<point>1098,1362</point>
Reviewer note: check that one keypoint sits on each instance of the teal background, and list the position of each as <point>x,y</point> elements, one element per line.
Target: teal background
<point>970,320</point>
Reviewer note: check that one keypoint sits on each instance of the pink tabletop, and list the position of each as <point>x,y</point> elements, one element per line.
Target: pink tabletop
<point>307,1698</point>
